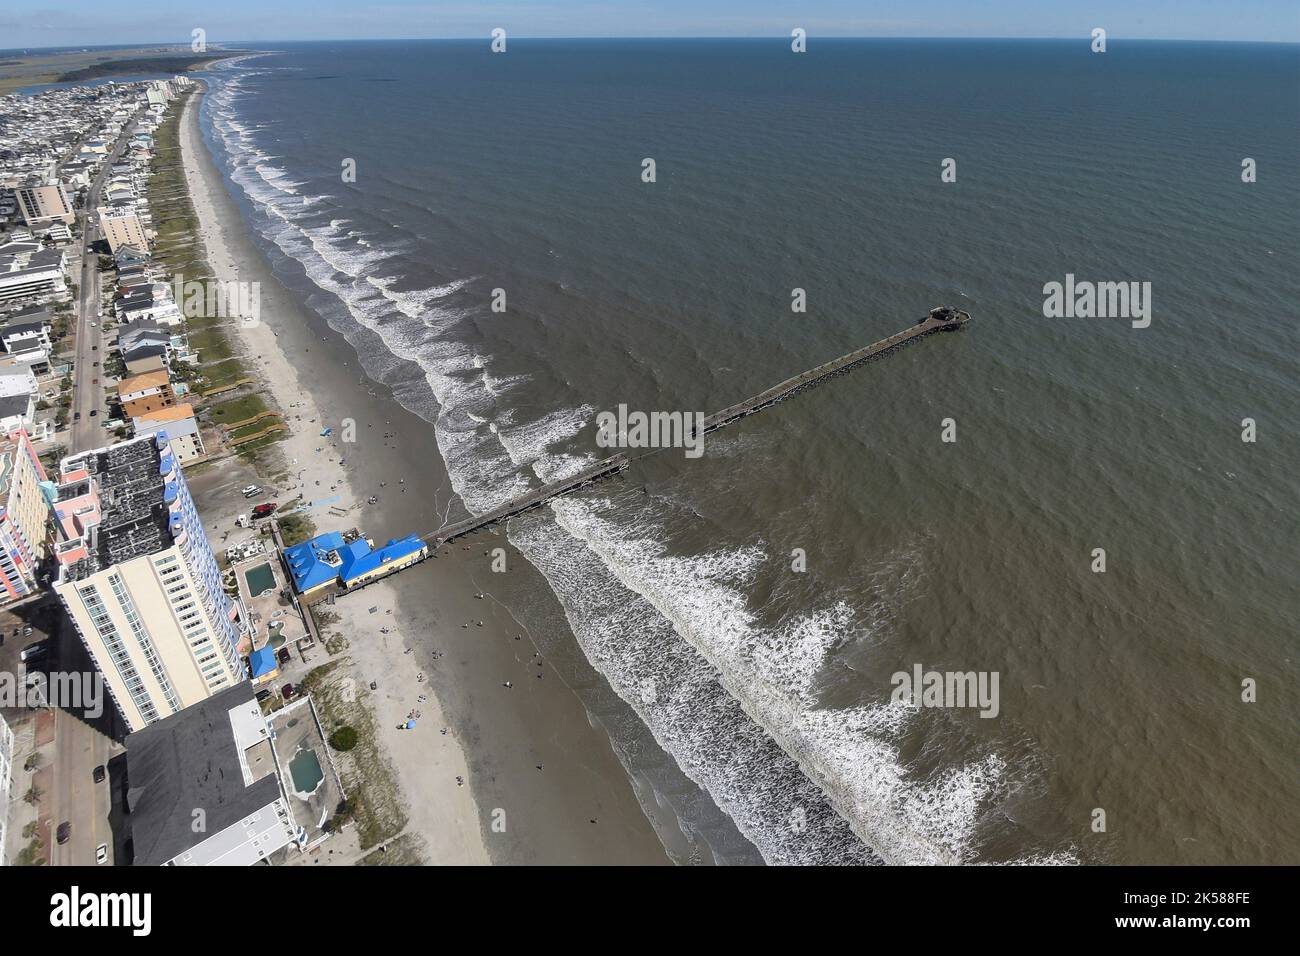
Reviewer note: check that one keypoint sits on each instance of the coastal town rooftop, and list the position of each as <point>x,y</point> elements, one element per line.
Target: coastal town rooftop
<point>124,483</point>
<point>217,755</point>
<point>333,558</point>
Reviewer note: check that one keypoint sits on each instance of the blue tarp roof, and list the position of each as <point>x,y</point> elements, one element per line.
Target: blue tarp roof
<point>262,662</point>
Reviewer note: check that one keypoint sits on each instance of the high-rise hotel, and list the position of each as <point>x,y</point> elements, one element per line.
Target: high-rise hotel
<point>140,582</point>
<point>24,517</point>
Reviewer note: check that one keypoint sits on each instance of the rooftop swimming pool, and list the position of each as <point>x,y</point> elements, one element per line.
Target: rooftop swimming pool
<point>260,579</point>
<point>306,772</point>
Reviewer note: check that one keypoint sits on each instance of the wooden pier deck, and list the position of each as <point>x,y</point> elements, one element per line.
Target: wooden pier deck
<point>938,320</point>
<point>602,469</point>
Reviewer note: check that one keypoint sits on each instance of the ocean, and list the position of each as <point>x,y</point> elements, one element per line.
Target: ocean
<point>753,605</point>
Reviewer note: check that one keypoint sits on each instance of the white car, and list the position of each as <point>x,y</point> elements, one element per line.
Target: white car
<point>250,490</point>
<point>101,854</point>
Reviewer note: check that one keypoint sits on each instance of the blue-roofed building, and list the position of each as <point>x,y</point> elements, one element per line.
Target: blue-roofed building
<point>262,665</point>
<point>331,559</point>
<point>362,564</point>
<point>314,565</point>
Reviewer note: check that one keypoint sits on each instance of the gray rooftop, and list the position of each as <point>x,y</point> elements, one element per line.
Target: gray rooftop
<point>33,313</point>
<point>189,761</point>
<point>21,328</point>
<point>134,519</point>
<point>14,405</point>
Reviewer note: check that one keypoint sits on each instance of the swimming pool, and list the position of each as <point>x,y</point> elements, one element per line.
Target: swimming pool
<point>260,579</point>
<point>306,772</point>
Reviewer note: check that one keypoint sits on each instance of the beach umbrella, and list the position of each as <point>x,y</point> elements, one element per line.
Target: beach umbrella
<point>410,725</point>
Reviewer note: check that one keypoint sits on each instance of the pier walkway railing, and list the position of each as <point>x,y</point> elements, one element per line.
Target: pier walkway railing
<point>943,319</point>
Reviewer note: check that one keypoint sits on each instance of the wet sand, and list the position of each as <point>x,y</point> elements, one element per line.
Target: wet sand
<point>542,783</point>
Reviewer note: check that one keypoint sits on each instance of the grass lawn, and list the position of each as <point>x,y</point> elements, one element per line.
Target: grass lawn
<point>237,409</point>
<point>296,528</point>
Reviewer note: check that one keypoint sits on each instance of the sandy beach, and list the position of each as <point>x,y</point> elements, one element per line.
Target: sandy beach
<point>505,765</point>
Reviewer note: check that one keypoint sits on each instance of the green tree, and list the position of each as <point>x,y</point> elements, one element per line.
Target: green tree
<point>343,739</point>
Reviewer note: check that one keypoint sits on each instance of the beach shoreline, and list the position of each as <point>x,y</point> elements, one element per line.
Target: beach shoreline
<point>505,764</point>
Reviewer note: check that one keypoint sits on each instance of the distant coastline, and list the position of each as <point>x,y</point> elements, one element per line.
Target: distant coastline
<point>150,64</point>
<point>28,72</point>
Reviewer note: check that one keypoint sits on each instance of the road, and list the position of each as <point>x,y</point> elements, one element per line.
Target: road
<point>87,395</point>
<point>78,750</point>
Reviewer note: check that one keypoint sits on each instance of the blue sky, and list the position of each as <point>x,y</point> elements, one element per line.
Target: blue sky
<point>95,22</point>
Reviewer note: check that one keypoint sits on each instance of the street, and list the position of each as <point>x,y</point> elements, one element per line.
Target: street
<point>86,430</point>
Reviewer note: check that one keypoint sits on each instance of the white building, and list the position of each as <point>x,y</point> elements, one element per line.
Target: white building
<point>182,430</point>
<point>140,583</point>
<point>40,273</point>
<point>6,782</point>
<point>213,759</point>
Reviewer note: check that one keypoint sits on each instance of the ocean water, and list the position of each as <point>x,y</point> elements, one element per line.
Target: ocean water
<point>771,688</point>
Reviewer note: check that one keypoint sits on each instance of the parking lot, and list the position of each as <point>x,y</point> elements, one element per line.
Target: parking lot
<point>60,746</point>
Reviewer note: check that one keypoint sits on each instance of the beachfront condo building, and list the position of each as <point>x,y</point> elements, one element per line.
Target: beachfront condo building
<point>216,757</point>
<point>140,582</point>
<point>24,517</point>
<point>43,205</point>
<point>122,228</point>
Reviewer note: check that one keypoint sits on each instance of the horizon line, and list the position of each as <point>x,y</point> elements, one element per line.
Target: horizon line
<point>222,44</point>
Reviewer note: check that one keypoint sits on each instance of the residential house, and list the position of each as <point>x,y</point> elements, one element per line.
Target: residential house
<point>182,430</point>
<point>143,394</point>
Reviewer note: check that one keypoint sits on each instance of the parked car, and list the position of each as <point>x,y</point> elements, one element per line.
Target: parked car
<point>284,656</point>
<point>95,363</point>
<point>264,510</point>
<point>94,381</point>
<point>76,416</point>
<point>94,412</point>
<point>64,831</point>
<point>287,692</point>
<point>94,348</point>
<point>262,695</point>
<point>101,854</point>
<point>99,774</point>
<point>250,491</point>
<point>32,653</point>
